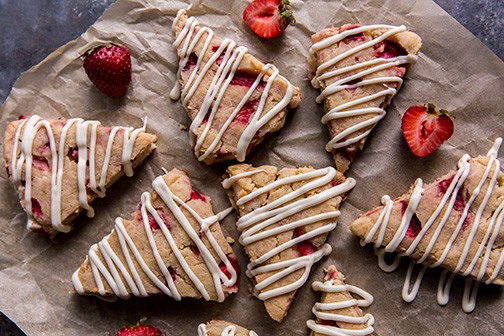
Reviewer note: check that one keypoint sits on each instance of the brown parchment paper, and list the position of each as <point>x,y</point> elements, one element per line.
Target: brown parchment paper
<point>454,71</point>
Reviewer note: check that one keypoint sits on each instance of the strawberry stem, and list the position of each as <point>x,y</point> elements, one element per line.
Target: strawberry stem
<point>286,15</point>
<point>432,109</point>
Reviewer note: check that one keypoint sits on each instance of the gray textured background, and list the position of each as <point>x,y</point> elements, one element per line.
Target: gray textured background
<point>32,29</point>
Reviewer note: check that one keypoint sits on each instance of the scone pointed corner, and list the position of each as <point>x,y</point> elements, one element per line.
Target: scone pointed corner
<point>285,218</point>
<point>73,161</point>
<point>233,99</point>
<point>172,245</point>
<point>358,69</point>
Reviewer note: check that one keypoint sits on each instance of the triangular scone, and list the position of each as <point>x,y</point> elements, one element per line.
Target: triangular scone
<point>223,328</point>
<point>358,70</point>
<point>339,310</point>
<point>232,99</point>
<point>173,244</point>
<point>454,222</point>
<point>71,163</point>
<point>285,217</point>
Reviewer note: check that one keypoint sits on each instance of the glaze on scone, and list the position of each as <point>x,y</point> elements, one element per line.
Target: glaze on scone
<point>285,217</point>
<point>339,311</point>
<point>232,99</point>
<point>173,244</point>
<point>454,222</point>
<point>358,70</point>
<point>62,156</point>
<point>223,328</point>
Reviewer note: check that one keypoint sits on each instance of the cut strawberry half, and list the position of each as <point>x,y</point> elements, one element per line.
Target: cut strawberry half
<point>268,18</point>
<point>425,128</point>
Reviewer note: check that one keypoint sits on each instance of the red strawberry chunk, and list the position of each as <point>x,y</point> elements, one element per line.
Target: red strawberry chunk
<point>195,250</point>
<point>40,163</point>
<point>173,273</point>
<point>305,247</point>
<point>221,56</point>
<point>197,196</point>
<point>73,154</point>
<point>154,224</point>
<point>246,112</point>
<point>242,78</point>
<point>36,209</point>
<point>23,116</point>
<point>404,206</point>
<point>460,201</point>
<point>234,264</point>
<point>414,227</point>
<point>386,50</point>
<point>332,274</point>
<point>191,62</point>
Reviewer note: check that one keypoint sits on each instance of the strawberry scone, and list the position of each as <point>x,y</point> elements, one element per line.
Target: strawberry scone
<point>358,70</point>
<point>232,99</point>
<point>59,167</point>
<point>285,217</point>
<point>339,310</point>
<point>223,328</point>
<point>454,222</point>
<point>173,244</point>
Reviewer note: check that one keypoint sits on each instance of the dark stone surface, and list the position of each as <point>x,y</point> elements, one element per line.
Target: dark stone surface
<point>31,30</point>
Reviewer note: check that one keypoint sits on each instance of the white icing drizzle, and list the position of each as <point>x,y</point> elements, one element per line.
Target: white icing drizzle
<point>448,200</point>
<point>254,226</point>
<point>227,331</point>
<point>373,66</point>
<point>320,311</point>
<point>26,133</point>
<point>114,268</point>
<point>232,56</point>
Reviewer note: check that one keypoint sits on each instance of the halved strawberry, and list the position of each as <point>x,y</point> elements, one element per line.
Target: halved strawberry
<point>268,18</point>
<point>425,128</point>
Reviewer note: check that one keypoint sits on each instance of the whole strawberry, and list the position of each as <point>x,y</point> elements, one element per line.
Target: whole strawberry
<point>425,128</point>
<point>140,329</point>
<point>108,66</point>
<point>268,18</point>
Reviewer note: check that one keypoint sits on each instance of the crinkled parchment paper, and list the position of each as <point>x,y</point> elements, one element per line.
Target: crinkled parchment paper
<point>454,71</point>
